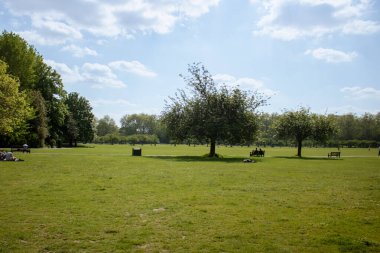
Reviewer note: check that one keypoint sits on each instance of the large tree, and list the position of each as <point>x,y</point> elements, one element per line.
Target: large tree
<point>14,107</point>
<point>50,85</point>
<point>42,84</point>
<point>302,124</point>
<point>80,119</point>
<point>212,113</point>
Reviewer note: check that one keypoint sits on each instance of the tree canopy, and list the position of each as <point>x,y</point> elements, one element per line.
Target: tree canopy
<point>138,124</point>
<point>14,107</point>
<point>106,125</point>
<point>212,113</point>
<point>301,125</point>
<point>80,119</point>
<point>42,89</point>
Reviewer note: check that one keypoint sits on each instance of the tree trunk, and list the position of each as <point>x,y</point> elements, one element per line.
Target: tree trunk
<point>299,148</point>
<point>212,148</point>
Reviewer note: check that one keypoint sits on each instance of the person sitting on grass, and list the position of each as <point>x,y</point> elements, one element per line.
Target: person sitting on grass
<point>8,156</point>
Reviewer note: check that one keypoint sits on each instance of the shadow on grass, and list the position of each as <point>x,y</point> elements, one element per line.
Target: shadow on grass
<point>202,159</point>
<point>309,158</point>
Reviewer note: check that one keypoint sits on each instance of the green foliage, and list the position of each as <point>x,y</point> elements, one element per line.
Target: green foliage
<point>301,124</point>
<point>14,107</point>
<point>138,124</point>
<point>143,139</point>
<point>39,124</point>
<point>50,85</point>
<point>324,127</point>
<point>210,113</point>
<point>81,118</point>
<point>105,126</point>
<point>20,57</point>
<point>36,79</point>
<point>71,129</point>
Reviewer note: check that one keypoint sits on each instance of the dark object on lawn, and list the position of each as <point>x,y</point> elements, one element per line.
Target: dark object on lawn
<point>20,149</point>
<point>333,154</point>
<point>136,152</point>
<point>8,156</point>
<point>256,152</point>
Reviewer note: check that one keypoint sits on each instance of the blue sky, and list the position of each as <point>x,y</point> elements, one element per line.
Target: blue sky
<point>125,56</point>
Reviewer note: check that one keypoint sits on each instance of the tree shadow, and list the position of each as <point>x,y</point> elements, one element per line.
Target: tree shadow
<point>203,159</point>
<point>308,158</point>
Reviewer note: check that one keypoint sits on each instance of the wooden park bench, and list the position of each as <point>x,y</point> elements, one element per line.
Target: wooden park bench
<point>260,153</point>
<point>333,154</point>
<point>20,149</point>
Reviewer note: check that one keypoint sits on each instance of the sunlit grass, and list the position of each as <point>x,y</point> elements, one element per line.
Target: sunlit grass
<point>101,199</point>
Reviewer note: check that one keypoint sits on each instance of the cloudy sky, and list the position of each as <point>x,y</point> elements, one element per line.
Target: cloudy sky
<point>125,56</point>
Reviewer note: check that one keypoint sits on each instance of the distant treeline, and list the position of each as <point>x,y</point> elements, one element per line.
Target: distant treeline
<point>353,131</point>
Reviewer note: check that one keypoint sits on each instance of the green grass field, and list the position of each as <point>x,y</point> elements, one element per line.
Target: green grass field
<point>101,199</point>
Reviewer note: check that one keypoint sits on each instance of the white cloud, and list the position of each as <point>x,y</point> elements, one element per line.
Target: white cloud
<point>351,11</point>
<point>357,92</point>
<point>101,76</point>
<point>224,78</point>
<point>68,75</point>
<point>78,51</point>
<point>134,67</point>
<point>93,74</point>
<point>331,55</point>
<point>361,27</point>
<point>35,37</point>
<point>55,26</point>
<point>72,18</point>
<point>102,102</point>
<point>245,83</point>
<point>50,30</point>
<point>294,19</point>
<point>196,8</point>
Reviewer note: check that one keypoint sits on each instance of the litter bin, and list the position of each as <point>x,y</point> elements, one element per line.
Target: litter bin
<point>136,152</point>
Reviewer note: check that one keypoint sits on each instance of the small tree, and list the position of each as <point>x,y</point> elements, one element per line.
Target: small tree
<point>212,113</point>
<point>301,125</point>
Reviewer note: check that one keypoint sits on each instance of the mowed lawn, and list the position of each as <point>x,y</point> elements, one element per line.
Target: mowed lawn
<point>101,199</point>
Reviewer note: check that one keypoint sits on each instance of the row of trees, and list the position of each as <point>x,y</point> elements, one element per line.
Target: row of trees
<point>35,107</point>
<point>135,128</point>
<point>209,113</point>
<point>352,131</point>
